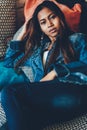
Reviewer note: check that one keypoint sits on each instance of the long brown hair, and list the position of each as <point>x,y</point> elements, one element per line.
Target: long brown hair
<point>33,34</point>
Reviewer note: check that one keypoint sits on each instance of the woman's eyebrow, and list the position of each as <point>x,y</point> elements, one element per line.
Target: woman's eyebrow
<point>47,16</point>
<point>42,19</point>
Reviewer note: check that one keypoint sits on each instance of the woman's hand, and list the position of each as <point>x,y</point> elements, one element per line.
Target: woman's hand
<point>50,76</point>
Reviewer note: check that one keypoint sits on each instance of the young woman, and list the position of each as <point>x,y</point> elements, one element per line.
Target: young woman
<point>46,49</point>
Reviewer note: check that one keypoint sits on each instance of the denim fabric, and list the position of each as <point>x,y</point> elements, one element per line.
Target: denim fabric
<point>36,105</point>
<point>9,76</point>
<point>13,53</point>
<point>79,43</point>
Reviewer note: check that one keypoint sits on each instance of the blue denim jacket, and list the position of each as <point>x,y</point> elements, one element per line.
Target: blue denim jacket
<point>15,52</point>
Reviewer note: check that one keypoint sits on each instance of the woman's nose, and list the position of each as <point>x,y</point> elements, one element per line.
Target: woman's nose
<point>49,23</point>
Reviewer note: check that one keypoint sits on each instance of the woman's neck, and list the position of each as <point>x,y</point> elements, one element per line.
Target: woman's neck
<point>51,43</point>
<point>53,39</point>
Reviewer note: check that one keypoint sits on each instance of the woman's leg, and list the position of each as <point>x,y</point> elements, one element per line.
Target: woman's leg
<point>43,103</point>
<point>12,106</point>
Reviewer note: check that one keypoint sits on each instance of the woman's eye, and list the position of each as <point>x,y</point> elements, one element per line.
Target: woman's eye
<point>42,22</point>
<point>52,16</point>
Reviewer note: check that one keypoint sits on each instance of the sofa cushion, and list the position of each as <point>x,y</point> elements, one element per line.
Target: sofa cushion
<point>79,123</point>
<point>2,116</point>
<point>7,22</point>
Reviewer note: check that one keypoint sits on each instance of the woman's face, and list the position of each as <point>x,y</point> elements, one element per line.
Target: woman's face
<point>49,23</point>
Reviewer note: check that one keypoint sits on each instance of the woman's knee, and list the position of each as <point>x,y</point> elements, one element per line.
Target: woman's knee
<point>8,92</point>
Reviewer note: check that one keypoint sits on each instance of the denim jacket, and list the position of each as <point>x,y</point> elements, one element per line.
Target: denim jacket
<point>34,63</point>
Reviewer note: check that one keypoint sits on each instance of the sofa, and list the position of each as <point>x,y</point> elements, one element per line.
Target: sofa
<point>12,18</point>
<point>10,11</point>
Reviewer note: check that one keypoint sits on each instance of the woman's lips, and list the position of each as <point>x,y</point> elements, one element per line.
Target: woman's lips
<point>52,30</point>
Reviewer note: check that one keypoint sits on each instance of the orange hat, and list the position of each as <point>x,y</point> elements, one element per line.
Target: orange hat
<point>72,16</point>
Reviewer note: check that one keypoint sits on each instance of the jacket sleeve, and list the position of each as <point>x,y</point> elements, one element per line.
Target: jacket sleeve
<point>79,42</point>
<point>9,76</point>
<point>14,53</point>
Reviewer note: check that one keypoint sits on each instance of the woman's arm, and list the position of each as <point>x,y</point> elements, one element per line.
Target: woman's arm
<point>9,76</point>
<point>16,47</point>
<point>79,42</point>
<point>50,76</point>
<point>13,53</point>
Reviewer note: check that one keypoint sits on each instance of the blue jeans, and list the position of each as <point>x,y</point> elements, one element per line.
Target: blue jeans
<point>33,106</point>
